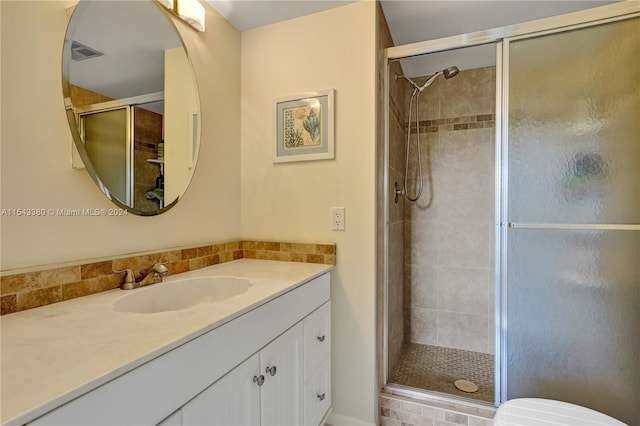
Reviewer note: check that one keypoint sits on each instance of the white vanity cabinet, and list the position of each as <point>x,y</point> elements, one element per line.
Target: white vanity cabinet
<point>214,378</point>
<point>288,382</point>
<point>265,389</point>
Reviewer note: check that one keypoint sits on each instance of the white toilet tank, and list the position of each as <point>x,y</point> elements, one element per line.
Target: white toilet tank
<point>543,412</point>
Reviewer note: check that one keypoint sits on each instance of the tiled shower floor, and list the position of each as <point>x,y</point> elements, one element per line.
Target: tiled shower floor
<point>436,368</point>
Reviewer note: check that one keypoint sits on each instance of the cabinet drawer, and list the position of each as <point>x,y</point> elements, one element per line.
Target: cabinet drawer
<point>317,394</point>
<point>317,339</point>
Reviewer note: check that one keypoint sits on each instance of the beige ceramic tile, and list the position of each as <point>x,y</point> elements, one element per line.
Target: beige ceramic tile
<point>462,331</point>
<point>273,246</point>
<point>289,247</point>
<point>58,276</point>
<point>80,288</point>
<point>109,282</point>
<point>11,284</point>
<point>298,257</point>
<point>197,263</point>
<point>422,286</point>
<point>40,297</point>
<point>179,267</point>
<point>306,248</point>
<point>205,251</point>
<point>8,304</point>
<point>96,269</point>
<point>189,253</point>
<point>464,290</point>
<point>423,326</point>
<point>315,258</point>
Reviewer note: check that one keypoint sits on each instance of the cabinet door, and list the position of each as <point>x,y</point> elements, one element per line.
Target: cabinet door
<point>281,395</point>
<point>234,400</point>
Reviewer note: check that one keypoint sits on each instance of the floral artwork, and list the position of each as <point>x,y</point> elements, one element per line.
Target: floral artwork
<point>301,126</point>
<point>304,128</point>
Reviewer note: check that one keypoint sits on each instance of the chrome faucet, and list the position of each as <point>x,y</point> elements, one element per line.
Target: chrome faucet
<point>152,275</point>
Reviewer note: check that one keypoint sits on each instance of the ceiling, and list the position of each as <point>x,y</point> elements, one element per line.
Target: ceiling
<point>414,20</point>
<point>134,44</point>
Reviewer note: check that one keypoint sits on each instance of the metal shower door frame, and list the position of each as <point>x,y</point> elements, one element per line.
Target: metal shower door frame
<point>501,36</point>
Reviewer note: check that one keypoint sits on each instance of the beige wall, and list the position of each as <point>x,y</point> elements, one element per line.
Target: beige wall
<point>332,49</point>
<point>36,149</point>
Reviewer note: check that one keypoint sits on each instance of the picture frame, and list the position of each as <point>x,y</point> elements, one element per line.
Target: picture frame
<point>304,127</point>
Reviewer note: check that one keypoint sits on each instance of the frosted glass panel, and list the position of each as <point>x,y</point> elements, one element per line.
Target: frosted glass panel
<point>573,330</point>
<point>573,296</point>
<point>574,126</point>
<point>105,139</point>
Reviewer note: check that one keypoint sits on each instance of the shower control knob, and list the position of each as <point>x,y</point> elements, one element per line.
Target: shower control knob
<point>321,338</point>
<point>259,380</point>
<point>272,370</point>
<point>321,396</point>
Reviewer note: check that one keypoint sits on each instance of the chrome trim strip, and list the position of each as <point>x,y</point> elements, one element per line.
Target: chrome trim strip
<point>497,315</point>
<point>586,226</point>
<point>502,195</point>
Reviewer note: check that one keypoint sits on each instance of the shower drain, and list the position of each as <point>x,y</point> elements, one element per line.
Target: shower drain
<point>466,386</point>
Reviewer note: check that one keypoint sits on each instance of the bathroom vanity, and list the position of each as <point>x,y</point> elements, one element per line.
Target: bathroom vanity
<point>258,356</point>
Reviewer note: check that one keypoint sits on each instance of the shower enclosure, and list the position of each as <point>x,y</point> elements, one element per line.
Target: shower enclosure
<point>517,268</point>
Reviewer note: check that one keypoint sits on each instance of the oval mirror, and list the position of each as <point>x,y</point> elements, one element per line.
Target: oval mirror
<point>132,102</point>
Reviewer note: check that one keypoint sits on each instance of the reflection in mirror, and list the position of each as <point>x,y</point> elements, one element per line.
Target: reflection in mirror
<point>132,102</point>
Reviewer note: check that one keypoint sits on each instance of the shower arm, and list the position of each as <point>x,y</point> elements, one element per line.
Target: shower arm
<point>426,84</point>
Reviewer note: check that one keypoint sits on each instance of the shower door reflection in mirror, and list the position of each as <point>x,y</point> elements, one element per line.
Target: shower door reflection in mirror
<point>571,292</point>
<point>106,138</point>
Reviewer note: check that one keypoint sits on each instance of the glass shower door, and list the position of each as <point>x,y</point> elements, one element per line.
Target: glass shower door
<point>106,139</point>
<point>571,228</point>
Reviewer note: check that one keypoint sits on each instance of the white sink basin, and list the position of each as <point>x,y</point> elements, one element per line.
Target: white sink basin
<point>182,294</point>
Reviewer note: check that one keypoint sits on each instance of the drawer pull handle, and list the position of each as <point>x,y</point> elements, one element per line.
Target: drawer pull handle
<point>321,396</point>
<point>259,380</point>
<point>272,370</point>
<point>321,338</point>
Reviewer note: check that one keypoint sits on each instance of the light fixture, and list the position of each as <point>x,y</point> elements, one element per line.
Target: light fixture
<point>190,11</point>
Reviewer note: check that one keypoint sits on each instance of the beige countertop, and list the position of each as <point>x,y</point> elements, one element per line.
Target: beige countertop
<point>55,353</point>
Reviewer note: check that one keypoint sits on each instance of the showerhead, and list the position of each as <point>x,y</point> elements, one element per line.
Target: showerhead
<point>450,72</point>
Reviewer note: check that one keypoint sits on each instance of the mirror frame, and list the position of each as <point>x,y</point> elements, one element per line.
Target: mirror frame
<point>74,124</point>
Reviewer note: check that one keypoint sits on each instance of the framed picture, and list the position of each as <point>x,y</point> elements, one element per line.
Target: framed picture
<point>304,127</point>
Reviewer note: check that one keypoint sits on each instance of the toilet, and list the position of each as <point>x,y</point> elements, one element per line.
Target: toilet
<point>542,412</point>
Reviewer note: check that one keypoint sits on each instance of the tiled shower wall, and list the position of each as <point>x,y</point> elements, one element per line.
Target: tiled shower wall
<point>448,232</point>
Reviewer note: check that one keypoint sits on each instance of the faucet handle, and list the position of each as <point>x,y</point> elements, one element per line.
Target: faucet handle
<point>160,268</point>
<point>129,278</point>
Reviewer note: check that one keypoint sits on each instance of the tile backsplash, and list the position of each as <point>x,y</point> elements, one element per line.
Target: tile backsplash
<point>32,289</point>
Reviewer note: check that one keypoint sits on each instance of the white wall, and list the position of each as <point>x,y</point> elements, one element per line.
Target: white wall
<point>36,149</point>
<point>291,201</point>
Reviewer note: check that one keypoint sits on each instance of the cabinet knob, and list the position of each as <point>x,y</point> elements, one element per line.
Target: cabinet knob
<point>259,380</point>
<point>271,370</point>
<point>321,396</point>
<point>321,338</point>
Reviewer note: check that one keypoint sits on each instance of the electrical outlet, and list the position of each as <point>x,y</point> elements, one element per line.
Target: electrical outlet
<point>337,218</point>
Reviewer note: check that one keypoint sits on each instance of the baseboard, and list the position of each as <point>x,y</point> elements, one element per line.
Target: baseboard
<point>336,419</point>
